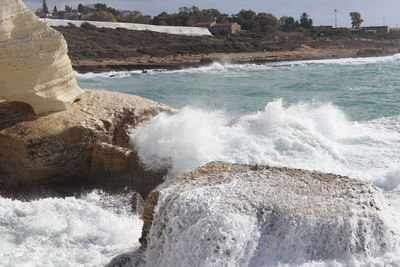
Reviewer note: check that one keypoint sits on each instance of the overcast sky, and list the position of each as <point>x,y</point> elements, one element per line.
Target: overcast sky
<point>374,12</point>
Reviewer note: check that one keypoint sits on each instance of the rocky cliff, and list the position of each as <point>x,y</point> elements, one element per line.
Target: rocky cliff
<point>224,214</point>
<point>88,142</point>
<point>34,65</point>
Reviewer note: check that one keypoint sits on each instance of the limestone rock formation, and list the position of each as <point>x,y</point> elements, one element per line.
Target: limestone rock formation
<point>87,142</point>
<point>224,214</point>
<point>34,65</point>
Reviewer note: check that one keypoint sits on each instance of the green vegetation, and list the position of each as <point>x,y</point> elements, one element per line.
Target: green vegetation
<point>249,20</point>
<point>356,20</point>
<point>103,16</point>
<point>186,16</point>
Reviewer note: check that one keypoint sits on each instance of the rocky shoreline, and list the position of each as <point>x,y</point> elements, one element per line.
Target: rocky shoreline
<point>94,49</point>
<point>198,60</point>
<point>88,144</point>
<point>220,214</point>
<point>277,215</point>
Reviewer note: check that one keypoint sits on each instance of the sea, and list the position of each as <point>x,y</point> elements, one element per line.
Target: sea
<point>337,116</point>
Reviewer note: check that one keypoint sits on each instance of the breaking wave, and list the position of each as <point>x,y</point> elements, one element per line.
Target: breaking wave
<point>216,226</point>
<point>225,67</point>
<point>85,231</point>
<point>202,231</point>
<point>313,136</point>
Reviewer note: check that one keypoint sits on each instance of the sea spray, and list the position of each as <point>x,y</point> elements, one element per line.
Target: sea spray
<point>366,90</point>
<point>73,231</point>
<point>314,136</point>
<point>272,217</point>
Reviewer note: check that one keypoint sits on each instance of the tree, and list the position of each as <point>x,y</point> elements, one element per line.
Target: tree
<point>288,23</point>
<point>68,8</point>
<point>45,9</point>
<point>103,16</point>
<point>305,21</point>
<point>55,11</point>
<point>81,8</point>
<point>113,11</point>
<point>211,14</point>
<point>189,15</point>
<point>100,7</point>
<point>223,18</point>
<point>356,20</point>
<point>266,22</point>
<point>85,9</point>
<point>162,19</point>
<point>247,19</point>
<point>138,17</point>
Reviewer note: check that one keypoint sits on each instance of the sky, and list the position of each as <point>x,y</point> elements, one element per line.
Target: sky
<point>373,12</point>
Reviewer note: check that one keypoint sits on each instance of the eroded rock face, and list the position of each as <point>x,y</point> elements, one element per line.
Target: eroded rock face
<point>34,65</point>
<point>89,141</point>
<point>224,214</point>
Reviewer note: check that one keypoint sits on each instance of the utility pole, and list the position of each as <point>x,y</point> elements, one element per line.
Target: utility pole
<point>384,21</point>
<point>335,18</point>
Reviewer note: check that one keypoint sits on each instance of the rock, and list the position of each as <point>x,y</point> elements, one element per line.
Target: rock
<point>87,142</point>
<point>224,214</point>
<point>137,203</point>
<point>34,65</point>
<point>130,259</point>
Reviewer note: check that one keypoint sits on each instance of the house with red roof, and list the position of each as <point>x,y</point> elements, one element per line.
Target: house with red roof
<point>220,28</point>
<point>204,24</point>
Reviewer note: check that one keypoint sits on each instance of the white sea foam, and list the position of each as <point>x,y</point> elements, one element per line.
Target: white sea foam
<point>217,226</point>
<point>341,61</point>
<point>86,231</point>
<point>110,74</point>
<point>224,67</point>
<point>314,136</point>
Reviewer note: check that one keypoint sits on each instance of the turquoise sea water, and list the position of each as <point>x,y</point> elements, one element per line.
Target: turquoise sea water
<point>365,89</point>
<point>340,116</point>
<point>337,116</point>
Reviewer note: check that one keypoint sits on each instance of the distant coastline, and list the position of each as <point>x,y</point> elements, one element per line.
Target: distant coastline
<point>198,60</point>
<point>94,49</point>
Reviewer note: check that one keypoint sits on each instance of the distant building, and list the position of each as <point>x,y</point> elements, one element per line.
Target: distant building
<point>225,28</point>
<point>205,24</point>
<point>376,29</point>
<point>220,28</point>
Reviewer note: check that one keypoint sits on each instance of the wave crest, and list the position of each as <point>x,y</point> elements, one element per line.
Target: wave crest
<point>314,136</point>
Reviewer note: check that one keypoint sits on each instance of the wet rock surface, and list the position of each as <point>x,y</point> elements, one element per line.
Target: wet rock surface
<point>226,213</point>
<point>88,143</point>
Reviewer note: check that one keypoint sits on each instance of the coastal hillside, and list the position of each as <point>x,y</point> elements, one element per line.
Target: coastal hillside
<point>92,48</point>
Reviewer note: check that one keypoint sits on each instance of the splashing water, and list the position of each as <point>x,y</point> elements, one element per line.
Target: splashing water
<point>86,231</point>
<point>338,116</point>
<point>307,136</point>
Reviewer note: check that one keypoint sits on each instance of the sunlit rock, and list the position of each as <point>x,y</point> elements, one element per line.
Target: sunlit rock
<point>88,142</point>
<point>225,214</point>
<point>34,65</point>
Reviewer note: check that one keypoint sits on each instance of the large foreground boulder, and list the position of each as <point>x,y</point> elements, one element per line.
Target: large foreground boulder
<point>87,142</point>
<point>224,214</point>
<point>34,65</point>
